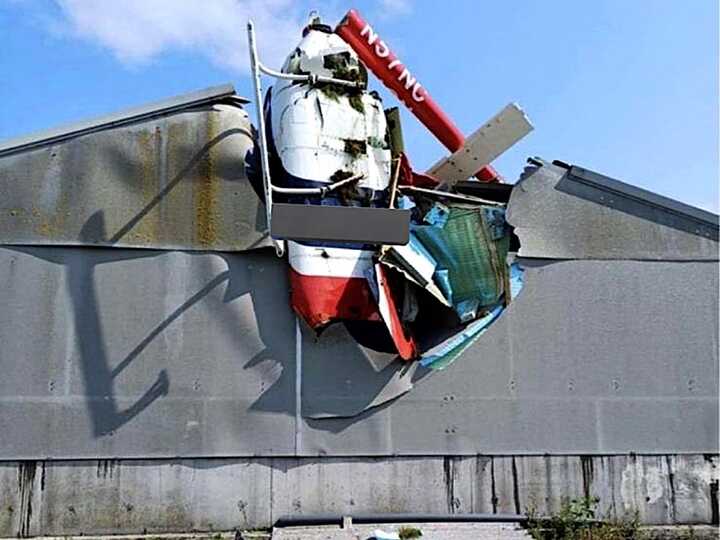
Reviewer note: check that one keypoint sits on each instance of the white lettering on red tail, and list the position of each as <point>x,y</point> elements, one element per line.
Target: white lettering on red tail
<point>409,79</point>
<point>371,36</point>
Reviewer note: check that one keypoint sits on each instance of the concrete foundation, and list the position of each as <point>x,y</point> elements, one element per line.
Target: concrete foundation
<point>153,496</point>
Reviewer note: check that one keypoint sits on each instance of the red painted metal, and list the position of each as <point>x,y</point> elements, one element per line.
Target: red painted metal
<point>386,66</point>
<point>321,300</point>
<point>404,342</point>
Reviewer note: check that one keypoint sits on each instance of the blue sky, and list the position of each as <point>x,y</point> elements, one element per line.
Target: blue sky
<point>627,88</point>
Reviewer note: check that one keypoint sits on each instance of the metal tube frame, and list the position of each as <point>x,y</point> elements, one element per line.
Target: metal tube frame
<point>452,196</point>
<point>318,190</point>
<point>310,78</point>
<point>264,161</point>
<point>257,68</point>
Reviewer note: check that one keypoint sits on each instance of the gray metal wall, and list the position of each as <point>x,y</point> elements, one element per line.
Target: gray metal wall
<point>191,363</point>
<point>114,353</point>
<point>172,181</point>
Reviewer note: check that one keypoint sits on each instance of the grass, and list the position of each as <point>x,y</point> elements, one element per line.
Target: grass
<point>406,533</point>
<point>578,520</point>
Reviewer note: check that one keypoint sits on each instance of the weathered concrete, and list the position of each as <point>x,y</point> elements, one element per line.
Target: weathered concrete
<point>430,531</point>
<point>136,496</point>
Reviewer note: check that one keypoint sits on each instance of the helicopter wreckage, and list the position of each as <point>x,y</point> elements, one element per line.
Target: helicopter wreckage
<point>409,262</point>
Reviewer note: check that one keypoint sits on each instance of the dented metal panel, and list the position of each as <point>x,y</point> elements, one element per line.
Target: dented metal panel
<point>167,181</point>
<point>574,214</point>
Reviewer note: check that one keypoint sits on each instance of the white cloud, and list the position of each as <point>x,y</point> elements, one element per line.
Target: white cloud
<point>136,31</point>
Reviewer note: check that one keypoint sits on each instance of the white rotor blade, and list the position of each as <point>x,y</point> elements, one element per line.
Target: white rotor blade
<point>492,139</point>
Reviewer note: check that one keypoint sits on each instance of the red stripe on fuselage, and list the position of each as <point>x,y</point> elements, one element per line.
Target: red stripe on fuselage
<point>320,300</point>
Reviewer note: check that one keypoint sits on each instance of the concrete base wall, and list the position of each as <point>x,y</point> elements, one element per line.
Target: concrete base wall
<point>135,496</point>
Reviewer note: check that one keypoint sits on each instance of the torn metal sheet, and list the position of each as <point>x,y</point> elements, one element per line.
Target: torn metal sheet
<point>482,147</point>
<point>416,264</point>
<point>555,216</point>
<point>166,181</point>
<point>441,356</point>
<point>389,308</point>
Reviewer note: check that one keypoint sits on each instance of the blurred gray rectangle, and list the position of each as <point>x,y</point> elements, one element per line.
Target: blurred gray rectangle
<point>341,223</point>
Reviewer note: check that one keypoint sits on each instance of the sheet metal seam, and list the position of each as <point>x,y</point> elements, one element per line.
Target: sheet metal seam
<point>298,385</point>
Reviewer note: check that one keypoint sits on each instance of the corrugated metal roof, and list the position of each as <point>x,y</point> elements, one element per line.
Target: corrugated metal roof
<point>121,118</point>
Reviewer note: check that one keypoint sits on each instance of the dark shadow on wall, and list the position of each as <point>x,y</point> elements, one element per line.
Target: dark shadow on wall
<point>199,158</point>
<point>262,275</point>
<point>105,415</point>
<point>339,379</point>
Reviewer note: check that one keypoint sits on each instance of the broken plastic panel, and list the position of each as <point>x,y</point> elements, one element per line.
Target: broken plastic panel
<point>446,353</point>
<point>470,245</point>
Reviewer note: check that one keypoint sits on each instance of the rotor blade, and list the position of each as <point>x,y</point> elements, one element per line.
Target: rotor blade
<point>492,139</point>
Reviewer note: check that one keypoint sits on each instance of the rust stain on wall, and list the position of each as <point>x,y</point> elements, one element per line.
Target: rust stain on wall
<point>145,231</point>
<point>205,192</point>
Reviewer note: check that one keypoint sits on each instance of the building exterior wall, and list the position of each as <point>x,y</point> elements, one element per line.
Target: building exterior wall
<point>170,388</point>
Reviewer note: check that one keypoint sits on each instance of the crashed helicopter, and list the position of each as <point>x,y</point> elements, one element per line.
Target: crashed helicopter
<point>406,261</point>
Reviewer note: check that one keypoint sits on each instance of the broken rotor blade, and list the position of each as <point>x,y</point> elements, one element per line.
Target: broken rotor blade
<point>482,147</point>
